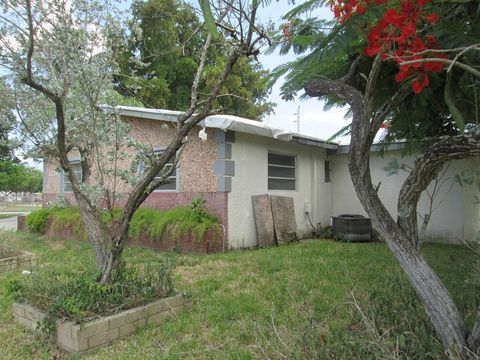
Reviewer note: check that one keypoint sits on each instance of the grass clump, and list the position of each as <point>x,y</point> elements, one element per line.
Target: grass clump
<point>73,294</point>
<point>386,323</point>
<point>176,222</point>
<point>8,246</point>
<point>37,220</point>
<point>67,218</point>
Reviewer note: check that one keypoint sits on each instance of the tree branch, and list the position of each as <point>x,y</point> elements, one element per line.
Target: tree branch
<point>424,170</point>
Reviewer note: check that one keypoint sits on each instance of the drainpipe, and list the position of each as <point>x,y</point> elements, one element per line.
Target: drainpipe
<point>224,233</point>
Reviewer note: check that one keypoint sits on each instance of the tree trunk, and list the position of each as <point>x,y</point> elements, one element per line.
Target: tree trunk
<point>474,338</point>
<point>440,308</point>
<point>97,233</point>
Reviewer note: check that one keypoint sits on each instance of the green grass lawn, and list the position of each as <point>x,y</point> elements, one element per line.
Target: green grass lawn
<point>291,302</point>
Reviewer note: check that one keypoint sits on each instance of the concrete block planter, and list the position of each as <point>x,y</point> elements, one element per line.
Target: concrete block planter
<point>22,261</point>
<point>76,338</point>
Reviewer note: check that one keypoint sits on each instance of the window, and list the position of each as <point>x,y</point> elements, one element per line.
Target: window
<point>281,172</point>
<point>172,179</point>
<point>76,167</point>
<point>327,171</point>
<point>171,185</point>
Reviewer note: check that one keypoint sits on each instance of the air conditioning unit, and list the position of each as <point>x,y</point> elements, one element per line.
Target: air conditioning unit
<point>351,227</point>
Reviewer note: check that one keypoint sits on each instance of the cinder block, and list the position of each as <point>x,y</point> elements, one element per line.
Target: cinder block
<point>122,318</point>
<point>92,328</point>
<point>173,301</point>
<point>158,318</point>
<point>142,312</point>
<point>25,322</point>
<point>65,328</point>
<point>102,338</point>
<point>127,329</point>
<point>141,323</point>
<point>155,307</point>
<point>82,338</point>
<point>20,262</point>
<point>33,313</point>
<point>66,342</point>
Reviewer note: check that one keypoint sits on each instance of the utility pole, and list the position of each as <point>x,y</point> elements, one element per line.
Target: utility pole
<point>298,119</point>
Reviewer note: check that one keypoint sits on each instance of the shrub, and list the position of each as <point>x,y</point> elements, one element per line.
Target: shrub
<point>67,218</point>
<point>177,222</point>
<point>75,294</point>
<point>37,220</point>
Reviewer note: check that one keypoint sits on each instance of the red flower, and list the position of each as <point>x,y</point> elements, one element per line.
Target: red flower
<point>402,76</point>
<point>361,9</point>
<point>396,36</point>
<point>432,18</point>
<point>418,85</point>
<point>391,17</point>
<point>431,40</point>
<point>435,66</point>
<point>422,3</point>
<point>336,11</point>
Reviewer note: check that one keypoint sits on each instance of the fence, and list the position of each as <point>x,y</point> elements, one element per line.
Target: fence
<point>20,199</point>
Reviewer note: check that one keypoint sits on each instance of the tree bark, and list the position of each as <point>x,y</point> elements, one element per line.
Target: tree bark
<point>440,307</point>
<point>145,187</point>
<point>425,169</point>
<point>474,338</point>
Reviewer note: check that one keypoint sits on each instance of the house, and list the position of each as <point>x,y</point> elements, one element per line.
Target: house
<point>240,158</point>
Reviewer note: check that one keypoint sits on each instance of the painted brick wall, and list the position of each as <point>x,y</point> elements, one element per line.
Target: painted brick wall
<point>212,243</point>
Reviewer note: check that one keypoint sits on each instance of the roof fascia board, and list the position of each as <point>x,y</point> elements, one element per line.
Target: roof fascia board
<point>344,149</point>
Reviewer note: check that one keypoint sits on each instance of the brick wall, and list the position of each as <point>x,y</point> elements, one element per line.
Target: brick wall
<point>216,202</point>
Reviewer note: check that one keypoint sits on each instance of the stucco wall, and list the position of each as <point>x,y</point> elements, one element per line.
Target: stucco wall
<point>250,154</point>
<point>448,216</point>
<point>471,194</point>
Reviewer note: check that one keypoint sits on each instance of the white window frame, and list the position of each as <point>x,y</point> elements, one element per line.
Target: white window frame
<point>294,179</point>
<point>65,180</point>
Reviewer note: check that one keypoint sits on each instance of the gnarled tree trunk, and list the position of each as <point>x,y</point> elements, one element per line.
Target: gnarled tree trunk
<point>438,303</point>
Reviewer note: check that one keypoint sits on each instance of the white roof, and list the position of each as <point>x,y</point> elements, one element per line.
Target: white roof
<point>232,123</point>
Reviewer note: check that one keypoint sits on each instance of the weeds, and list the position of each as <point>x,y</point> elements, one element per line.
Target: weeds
<point>178,222</point>
<point>74,292</point>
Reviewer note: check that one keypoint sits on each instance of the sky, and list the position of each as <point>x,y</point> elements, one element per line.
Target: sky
<point>313,120</point>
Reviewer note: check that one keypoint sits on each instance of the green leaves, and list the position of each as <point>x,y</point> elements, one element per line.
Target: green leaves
<point>209,19</point>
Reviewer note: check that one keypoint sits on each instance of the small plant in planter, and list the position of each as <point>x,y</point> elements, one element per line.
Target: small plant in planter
<point>82,314</point>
